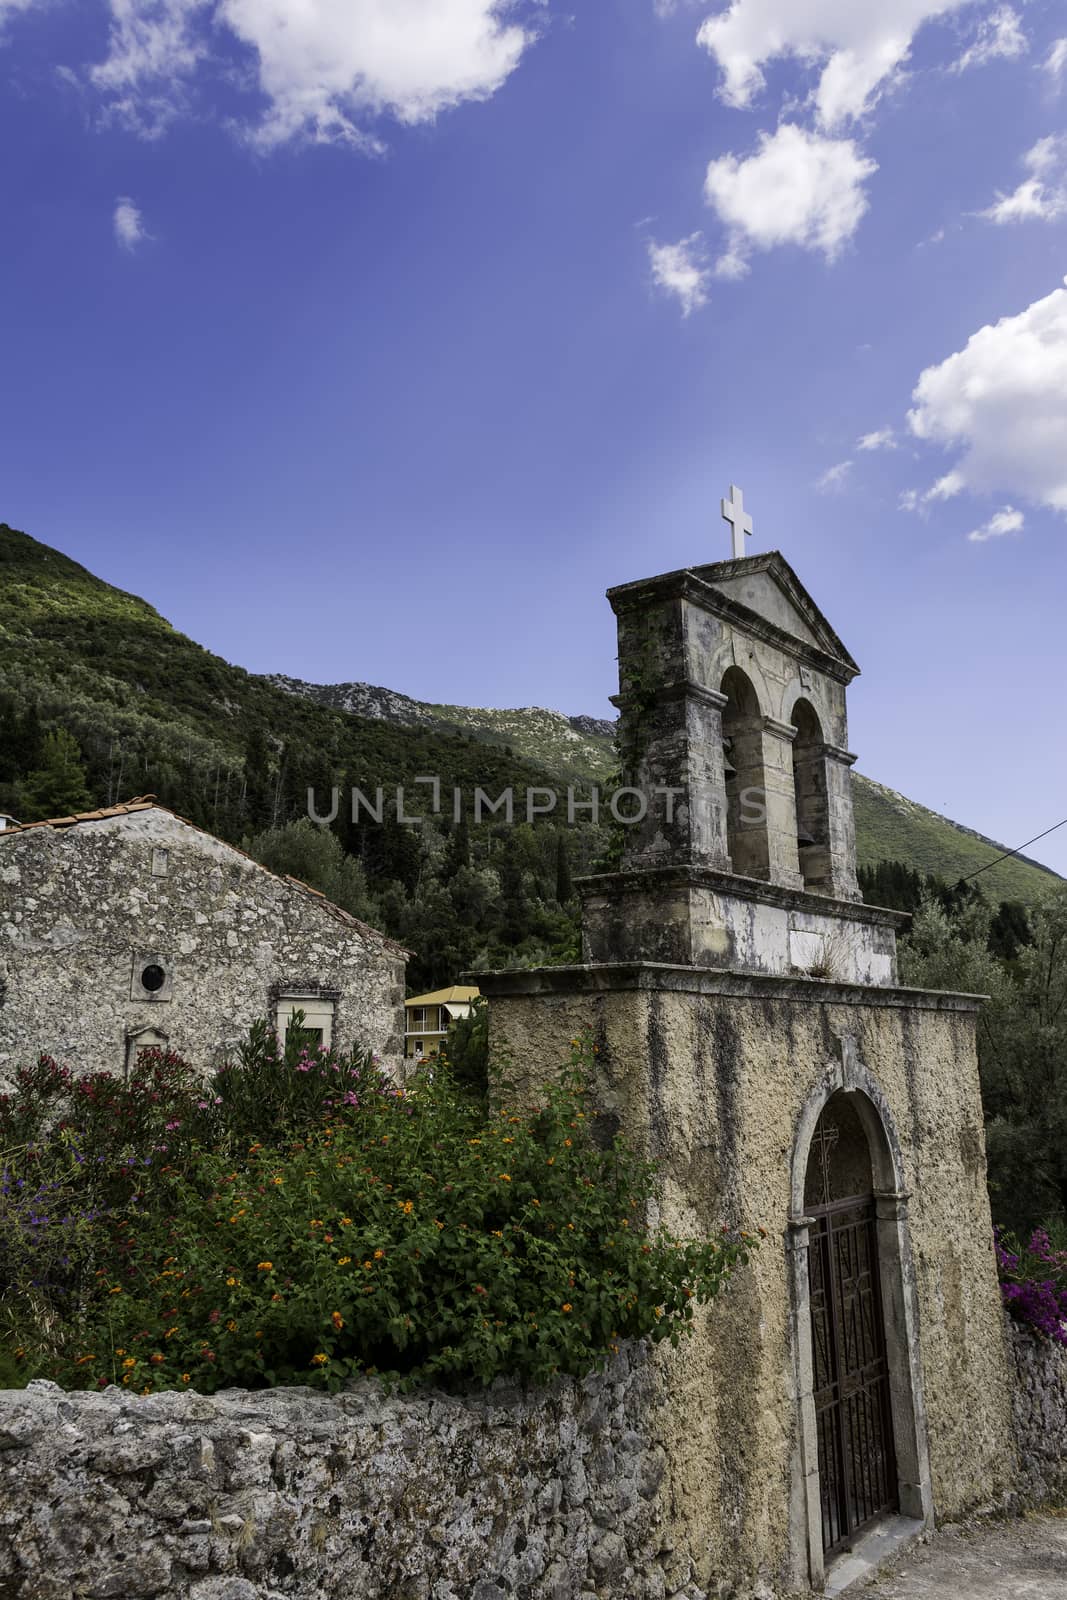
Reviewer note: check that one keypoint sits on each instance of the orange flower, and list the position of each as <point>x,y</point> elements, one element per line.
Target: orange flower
<point>185,1377</point>
<point>337,1320</point>
<point>342,1261</point>
<point>379,1255</point>
<point>567,1306</point>
<point>264,1266</point>
<point>505,1177</point>
<point>130,1361</point>
<point>156,1359</point>
<point>320,1360</point>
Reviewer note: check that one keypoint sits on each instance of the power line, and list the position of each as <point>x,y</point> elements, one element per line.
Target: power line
<point>1015,852</point>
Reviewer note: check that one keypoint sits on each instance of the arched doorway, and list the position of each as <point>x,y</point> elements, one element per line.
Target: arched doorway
<point>809,783</point>
<point>850,1358</point>
<point>746,792</point>
<point>847,1155</point>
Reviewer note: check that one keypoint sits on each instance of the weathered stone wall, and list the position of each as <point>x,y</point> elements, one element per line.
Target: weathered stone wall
<point>550,1495</point>
<point>1039,1404</point>
<point>711,1073</point>
<point>79,905</point>
<point>695,917</point>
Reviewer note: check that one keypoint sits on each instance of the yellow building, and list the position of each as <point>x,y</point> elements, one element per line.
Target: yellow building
<point>428,1016</point>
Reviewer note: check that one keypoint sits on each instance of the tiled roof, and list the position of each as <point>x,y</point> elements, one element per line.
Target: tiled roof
<point>148,802</point>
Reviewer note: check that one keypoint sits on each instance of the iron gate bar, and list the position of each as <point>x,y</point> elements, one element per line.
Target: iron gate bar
<point>857,1468</point>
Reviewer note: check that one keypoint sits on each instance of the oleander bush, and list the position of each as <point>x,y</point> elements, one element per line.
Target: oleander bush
<point>302,1219</point>
<point>1033,1282</point>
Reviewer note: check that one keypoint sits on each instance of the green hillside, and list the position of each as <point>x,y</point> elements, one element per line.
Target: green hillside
<point>573,747</point>
<point>152,710</point>
<point>890,827</point>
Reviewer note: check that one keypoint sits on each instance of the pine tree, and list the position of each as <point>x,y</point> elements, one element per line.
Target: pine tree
<point>58,786</point>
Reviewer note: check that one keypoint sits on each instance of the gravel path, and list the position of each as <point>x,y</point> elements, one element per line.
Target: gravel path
<point>1025,1559</point>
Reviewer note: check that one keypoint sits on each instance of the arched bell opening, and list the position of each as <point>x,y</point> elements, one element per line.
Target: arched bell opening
<point>809,783</point>
<point>746,790</point>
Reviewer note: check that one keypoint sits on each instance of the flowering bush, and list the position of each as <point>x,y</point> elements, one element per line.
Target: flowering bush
<point>311,1222</point>
<point>1033,1282</point>
<point>271,1088</point>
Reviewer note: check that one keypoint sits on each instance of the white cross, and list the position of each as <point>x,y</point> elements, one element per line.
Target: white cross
<point>734,513</point>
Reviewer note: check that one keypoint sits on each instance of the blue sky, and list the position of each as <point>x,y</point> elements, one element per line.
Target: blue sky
<point>374,339</point>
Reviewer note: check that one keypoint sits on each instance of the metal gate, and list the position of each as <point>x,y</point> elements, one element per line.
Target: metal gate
<point>857,1466</point>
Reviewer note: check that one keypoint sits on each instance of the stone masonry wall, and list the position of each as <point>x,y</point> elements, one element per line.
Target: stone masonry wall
<point>708,1073</point>
<point>1039,1406</point>
<point>83,907</point>
<point>548,1495</point>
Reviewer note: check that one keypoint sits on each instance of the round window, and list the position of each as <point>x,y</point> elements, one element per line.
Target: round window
<point>153,978</point>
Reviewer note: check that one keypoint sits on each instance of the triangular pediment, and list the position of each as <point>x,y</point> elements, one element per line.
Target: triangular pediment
<point>767,586</point>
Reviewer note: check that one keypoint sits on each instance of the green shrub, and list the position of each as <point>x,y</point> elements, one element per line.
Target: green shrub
<point>418,1235</point>
<point>466,1049</point>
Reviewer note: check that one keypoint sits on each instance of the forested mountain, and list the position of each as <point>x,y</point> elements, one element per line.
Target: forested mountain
<point>101,699</point>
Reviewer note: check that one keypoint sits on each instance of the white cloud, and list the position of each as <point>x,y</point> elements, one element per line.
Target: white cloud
<point>323,63</point>
<point>799,188</point>
<point>833,479</point>
<point>324,67</point>
<point>129,223</point>
<point>1041,197</point>
<point>1056,59</point>
<point>881,439</point>
<point>861,45</point>
<point>1002,400</point>
<point>681,269</point>
<point>945,488</point>
<point>1000,35</point>
<point>1007,520</point>
<point>152,53</point>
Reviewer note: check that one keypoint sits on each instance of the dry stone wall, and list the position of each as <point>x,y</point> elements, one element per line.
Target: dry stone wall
<point>549,1495</point>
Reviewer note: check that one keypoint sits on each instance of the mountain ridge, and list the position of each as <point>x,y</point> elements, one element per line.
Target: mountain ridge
<point>152,709</point>
<point>889,825</point>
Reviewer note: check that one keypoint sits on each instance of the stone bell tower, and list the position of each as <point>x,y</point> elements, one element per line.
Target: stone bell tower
<point>733,736</point>
<point>751,1038</point>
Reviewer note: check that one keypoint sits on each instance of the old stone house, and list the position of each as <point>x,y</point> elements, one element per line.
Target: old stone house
<point>130,927</point>
<point>753,1038</point>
